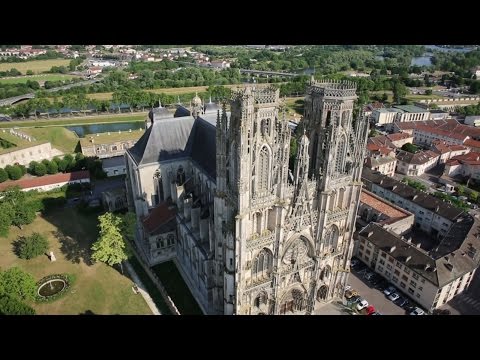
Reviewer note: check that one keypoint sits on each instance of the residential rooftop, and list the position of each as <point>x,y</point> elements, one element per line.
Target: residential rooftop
<point>409,193</point>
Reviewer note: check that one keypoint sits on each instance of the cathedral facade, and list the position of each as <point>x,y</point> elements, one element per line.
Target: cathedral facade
<point>213,192</point>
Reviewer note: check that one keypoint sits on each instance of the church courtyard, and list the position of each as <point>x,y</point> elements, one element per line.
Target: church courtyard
<point>97,289</point>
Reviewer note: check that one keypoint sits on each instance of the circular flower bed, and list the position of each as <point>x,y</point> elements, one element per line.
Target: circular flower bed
<point>51,287</point>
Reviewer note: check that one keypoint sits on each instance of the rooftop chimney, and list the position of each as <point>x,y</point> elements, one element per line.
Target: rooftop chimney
<point>419,245</point>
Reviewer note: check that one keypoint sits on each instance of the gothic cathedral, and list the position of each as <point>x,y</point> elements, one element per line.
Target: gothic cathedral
<point>286,238</point>
<point>213,192</point>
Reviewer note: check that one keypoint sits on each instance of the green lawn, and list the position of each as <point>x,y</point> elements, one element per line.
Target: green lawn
<point>39,78</point>
<point>177,289</point>
<point>60,138</point>
<point>98,289</point>
<point>76,120</point>
<point>37,66</point>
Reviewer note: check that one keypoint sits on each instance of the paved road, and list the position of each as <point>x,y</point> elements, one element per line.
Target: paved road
<point>373,296</point>
<point>141,289</point>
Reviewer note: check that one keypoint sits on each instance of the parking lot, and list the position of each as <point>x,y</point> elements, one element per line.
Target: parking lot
<point>374,296</point>
<point>371,286</point>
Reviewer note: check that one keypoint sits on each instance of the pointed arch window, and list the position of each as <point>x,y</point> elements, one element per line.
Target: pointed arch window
<point>263,169</point>
<point>262,265</point>
<point>340,156</point>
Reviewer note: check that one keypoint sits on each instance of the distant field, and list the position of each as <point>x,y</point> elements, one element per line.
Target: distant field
<point>78,120</point>
<point>168,91</point>
<point>60,138</point>
<point>39,78</point>
<point>36,66</point>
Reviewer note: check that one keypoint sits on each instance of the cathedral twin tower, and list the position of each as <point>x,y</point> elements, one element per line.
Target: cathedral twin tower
<point>284,238</point>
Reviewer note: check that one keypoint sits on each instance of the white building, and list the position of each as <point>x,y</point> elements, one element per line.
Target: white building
<point>49,182</point>
<point>426,135</point>
<point>24,155</point>
<point>432,215</point>
<point>430,278</point>
<point>416,164</point>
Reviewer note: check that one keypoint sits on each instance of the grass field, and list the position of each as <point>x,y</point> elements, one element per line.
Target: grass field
<point>98,288</point>
<point>39,78</point>
<point>103,138</point>
<point>76,120</point>
<point>19,142</point>
<point>60,138</point>
<point>36,66</point>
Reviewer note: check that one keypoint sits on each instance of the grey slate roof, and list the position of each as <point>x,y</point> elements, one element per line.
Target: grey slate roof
<point>159,113</point>
<point>181,111</point>
<point>179,137</point>
<point>418,197</point>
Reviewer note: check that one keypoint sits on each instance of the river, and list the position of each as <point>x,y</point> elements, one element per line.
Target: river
<point>82,130</point>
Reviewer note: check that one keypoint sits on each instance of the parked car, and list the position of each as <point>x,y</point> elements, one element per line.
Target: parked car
<point>401,301</point>
<point>350,293</point>
<point>393,296</point>
<point>362,304</point>
<point>369,275</point>
<point>389,290</point>
<point>417,311</point>
<point>370,309</point>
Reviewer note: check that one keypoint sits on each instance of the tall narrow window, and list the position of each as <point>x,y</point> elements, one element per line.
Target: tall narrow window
<point>313,157</point>
<point>263,169</point>
<point>340,158</point>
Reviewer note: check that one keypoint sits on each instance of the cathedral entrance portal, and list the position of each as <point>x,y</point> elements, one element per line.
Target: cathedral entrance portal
<point>293,301</point>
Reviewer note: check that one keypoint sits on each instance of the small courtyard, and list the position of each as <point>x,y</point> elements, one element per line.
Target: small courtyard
<point>97,289</point>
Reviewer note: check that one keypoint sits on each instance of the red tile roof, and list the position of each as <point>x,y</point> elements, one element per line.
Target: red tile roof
<point>46,180</point>
<point>160,215</point>
<point>472,143</point>
<point>472,158</point>
<point>398,136</point>
<point>382,206</point>
<point>439,131</point>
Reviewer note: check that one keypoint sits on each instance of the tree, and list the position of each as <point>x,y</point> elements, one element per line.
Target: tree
<point>29,72</point>
<point>3,175</point>
<point>473,196</point>
<point>128,225</point>
<point>6,215</point>
<point>12,306</point>
<point>399,91</point>
<point>110,247</point>
<point>62,165</point>
<point>428,92</point>
<point>460,190</point>
<point>408,147</point>
<point>23,212</point>
<point>40,169</point>
<point>52,167</point>
<point>31,246</point>
<point>17,284</point>
<point>14,172</point>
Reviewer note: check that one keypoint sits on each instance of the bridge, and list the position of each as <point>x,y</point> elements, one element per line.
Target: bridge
<point>13,100</point>
<point>268,73</point>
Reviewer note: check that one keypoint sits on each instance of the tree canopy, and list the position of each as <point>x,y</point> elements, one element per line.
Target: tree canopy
<point>110,246</point>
